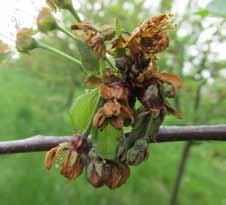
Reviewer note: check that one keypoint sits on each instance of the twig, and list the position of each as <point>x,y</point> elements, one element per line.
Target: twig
<point>166,134</point>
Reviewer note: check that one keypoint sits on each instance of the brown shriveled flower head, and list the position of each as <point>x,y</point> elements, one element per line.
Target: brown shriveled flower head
<point>72,152</point>
<point>112,174</point>
<point>119,174</point>
<point>150,37</point>
<point>72,166</point>
<point>115,113</point>
<point>95,38</point>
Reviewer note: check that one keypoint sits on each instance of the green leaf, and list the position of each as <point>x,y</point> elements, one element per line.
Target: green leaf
<point>118,28</point>
<point>90,61</point>
<point>106,141</point>
<point>217,8</point>
<point>203,12</point>
<point>83,109</point>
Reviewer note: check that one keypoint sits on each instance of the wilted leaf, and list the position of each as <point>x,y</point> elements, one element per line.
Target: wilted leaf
<point>106,141</point>
<point>83,109</point>
<point>90,61</point>
<point>171,79</point>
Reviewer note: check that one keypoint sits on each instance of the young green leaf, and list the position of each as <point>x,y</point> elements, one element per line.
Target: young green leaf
<point>106,141</point>
<point>90,61</point>
<point>118,28</point>
<point>83,109</point>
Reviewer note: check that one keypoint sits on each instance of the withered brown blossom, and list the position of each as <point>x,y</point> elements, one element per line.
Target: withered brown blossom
<point>150,37</point>
<point>110,173</point>
<point>73,163</point>
<point>95,38</point>
<point>116,109</point>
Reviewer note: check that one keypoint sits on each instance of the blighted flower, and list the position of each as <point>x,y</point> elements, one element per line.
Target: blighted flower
<point>95,38</point>
<point>115,113</point>
<point>115,90</point>
<point>25,41</point>
<point>98,172</point>
<point>150,36</point>
<point>119,174</point>
<point>46,21</point>
<point>107,173</point>
<point>72,165</point>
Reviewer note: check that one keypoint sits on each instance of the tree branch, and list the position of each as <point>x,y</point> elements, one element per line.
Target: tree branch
<point>166,134</point>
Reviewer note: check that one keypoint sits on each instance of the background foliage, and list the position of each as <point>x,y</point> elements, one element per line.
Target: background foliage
<point>36,92</point>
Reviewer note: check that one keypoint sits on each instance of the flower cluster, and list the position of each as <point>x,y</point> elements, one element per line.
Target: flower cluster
<point>135,79</point>
<point>115,121</point>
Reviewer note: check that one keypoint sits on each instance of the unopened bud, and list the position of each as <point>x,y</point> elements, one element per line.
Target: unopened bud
<point>46,21</point>
<point>138,153</point>
<point>24,40</point>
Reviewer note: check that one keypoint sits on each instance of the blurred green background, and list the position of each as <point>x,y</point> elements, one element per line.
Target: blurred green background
<point>37,90</point>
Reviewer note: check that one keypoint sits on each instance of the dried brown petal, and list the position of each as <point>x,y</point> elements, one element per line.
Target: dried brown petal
<point>114,91</point>
<point>150,36</point>
<point>156,43</point>
<point>170,78</point>
<point>50,157</point>
<point>117,122</point>
<point>125,173</point>
<point>83,26</point>
<point>72,166</point>
<point>118,175</point>
<point>93,81</point>
<point>115,177</point>
<point>96,42</point>
<point>99,119</point>
<point>111,109</point>
<point>110,76</point>
<point>93,177</point>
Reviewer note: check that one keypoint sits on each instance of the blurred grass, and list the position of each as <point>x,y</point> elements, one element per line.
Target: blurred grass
<point>29,106</point>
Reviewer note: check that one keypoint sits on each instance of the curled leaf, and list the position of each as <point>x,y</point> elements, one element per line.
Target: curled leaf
<point>170,78</point>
